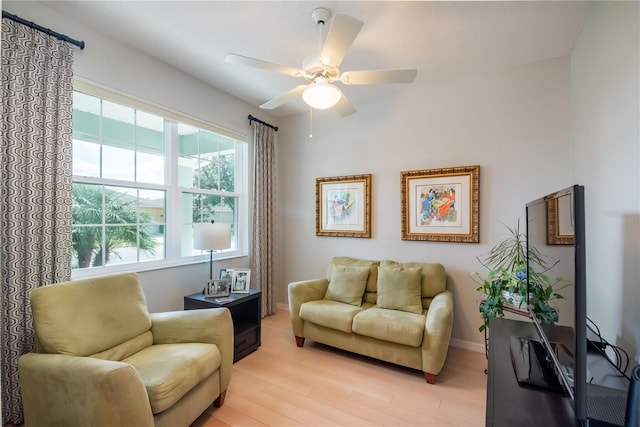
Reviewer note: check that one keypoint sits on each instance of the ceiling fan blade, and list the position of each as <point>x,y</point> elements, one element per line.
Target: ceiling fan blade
<point>374,77</point>
<point>344,107</point>
<point>281,99</point>
<point>233,58</point>
<point>342,33</point>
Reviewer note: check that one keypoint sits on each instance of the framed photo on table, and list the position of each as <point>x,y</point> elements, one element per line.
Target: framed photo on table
<point>343,206</point>
<point>226,273</point>
<point>217,288</point>
<point>441,205</point>
<point>241,282</point>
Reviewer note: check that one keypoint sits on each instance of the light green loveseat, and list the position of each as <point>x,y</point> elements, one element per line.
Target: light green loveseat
<point>103,361</point>
<point>399,313</point>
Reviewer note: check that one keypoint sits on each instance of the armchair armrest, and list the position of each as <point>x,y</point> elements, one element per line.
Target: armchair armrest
<point>437,332</point>
<point>79,391</point>
<point>211,325</point>
<point>301,292</point>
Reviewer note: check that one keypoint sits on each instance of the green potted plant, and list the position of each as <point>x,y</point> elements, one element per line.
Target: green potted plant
<point>506,279</point>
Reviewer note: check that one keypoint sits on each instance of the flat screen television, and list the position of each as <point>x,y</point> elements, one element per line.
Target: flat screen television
<point>556,230</point>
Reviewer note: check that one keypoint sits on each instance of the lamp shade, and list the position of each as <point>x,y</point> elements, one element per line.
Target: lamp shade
<point>321,94</point>
<point>210,236</point>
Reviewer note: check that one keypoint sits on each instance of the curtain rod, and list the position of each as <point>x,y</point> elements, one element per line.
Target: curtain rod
<point>35,26</point>
<point>255,119</point>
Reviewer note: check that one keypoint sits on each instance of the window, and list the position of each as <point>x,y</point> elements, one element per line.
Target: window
<point>141,178</point>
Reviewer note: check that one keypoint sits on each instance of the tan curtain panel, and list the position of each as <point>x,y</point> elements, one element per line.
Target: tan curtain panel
<point>263,247</point>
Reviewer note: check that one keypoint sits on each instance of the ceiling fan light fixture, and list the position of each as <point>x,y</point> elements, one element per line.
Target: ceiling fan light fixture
<point>321,94</point>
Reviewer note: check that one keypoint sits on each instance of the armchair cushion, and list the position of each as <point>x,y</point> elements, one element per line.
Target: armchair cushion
<point>102,316</point>
<point>169,371</point>
<point>399,289</point>
<point>347,284</point>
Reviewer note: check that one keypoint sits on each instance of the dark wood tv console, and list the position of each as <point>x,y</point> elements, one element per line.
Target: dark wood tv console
<point>509,404</point>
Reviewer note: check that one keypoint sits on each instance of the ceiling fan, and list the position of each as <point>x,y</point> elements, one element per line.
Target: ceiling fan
<point>323,69</point>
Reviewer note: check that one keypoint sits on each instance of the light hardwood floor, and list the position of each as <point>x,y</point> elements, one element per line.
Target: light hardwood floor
<point>283,385</point>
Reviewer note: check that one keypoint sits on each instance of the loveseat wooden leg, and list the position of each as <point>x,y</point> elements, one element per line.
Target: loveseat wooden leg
<point>431,378</point>
<point>220,400</point>
<point>299,341</point>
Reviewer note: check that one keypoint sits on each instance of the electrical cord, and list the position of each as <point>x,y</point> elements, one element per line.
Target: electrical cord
<point>621,356</point>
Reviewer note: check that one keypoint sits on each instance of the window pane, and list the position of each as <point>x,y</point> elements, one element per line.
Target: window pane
<point>150,148</point>
<point>207,160</point>
<point>118,163</point>
<point>120,205</point>
<point>86,117</point>
<point>188,154</point>
<point>152,207</point>
<point>156,232</point>
<point>86,158</point>
<point>120,245</point>
<point>204,208</point>
<point>85,241</point>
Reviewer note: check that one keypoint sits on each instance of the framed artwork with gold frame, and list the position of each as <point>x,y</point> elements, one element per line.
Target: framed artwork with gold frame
<point>560,221</point>
<point>441,205</point>
<point>343,206</point>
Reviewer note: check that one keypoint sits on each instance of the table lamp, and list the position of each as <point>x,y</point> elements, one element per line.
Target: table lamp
<point>211,236</point>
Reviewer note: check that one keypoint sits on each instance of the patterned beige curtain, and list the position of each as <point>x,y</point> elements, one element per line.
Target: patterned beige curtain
<point>35,187</point>
<point>263,255</point>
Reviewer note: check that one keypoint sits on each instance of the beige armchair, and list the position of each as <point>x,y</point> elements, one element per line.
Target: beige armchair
<point>102,360</point>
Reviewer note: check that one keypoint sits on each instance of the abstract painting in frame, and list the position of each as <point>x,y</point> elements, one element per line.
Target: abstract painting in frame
<point>343,206</point>
<point>441,205</point>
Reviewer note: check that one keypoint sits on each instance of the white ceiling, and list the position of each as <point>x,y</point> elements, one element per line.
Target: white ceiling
<point>443,40</point>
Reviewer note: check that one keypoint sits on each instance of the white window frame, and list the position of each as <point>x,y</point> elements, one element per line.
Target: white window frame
<point>174,193</point>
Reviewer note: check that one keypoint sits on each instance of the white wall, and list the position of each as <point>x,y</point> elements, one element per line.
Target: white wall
<point>605,140</point>
<point>113,64</point>
<point>514,124</point>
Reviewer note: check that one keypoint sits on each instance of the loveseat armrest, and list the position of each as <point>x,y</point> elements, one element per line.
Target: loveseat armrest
<point>62,390</point>
<point>437,332</point>
<point>210,325</point>
<point>301,292</point>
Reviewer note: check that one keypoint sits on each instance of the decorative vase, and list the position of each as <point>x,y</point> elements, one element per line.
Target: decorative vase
<point>515,300</point>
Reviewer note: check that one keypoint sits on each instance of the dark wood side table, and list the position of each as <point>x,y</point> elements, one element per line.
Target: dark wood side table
<point>246,310</point>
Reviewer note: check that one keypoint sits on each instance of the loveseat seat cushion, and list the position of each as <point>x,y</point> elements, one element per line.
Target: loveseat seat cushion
<point>169,371</point>
<point>395,326</point>
<point>332,314</point>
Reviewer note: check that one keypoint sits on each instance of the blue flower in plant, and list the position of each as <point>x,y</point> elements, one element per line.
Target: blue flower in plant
<point>521,275</point>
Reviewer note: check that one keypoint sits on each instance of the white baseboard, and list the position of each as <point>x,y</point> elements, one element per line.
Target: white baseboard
<point>465,345</point>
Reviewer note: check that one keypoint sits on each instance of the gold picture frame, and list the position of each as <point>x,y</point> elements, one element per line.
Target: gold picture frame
<point>343,206</point>
<point>560,221</point>
<point>441,205</point>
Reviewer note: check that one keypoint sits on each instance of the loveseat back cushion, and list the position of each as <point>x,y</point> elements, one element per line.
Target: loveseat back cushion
<point>169,371</point>
<point>399,289</point>
<point>85,317</point>
<point>434,276</point>
<point>347,284</point>
<point>369,295</point>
